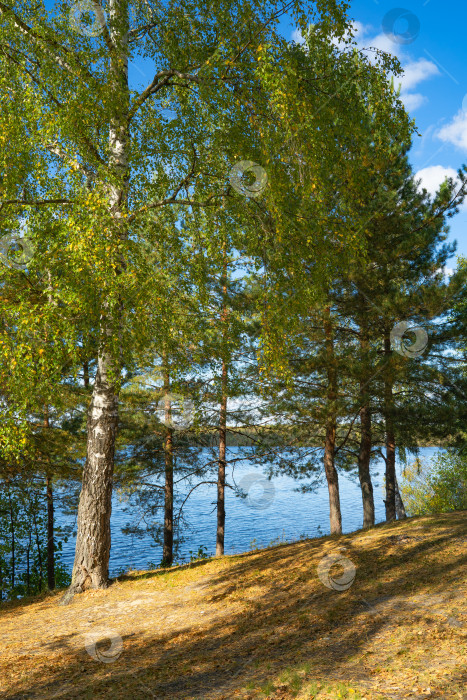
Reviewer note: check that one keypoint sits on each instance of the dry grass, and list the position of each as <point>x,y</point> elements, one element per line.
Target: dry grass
<point>261,625</point>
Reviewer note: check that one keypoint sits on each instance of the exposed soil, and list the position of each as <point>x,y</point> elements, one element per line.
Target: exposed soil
<point>259,625</point>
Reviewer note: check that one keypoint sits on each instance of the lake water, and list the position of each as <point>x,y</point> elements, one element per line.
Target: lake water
<point>273,510</point>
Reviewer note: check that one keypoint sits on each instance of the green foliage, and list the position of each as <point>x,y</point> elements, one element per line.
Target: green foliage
<point>185,273</point>
<point>23,541</point>
<point>200,554</point>
<point>436,486</point>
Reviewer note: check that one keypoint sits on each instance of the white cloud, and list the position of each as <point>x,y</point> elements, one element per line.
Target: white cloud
<point>383,43</point>
<point>297,36</point>
<point>357,30</point>
<point>456,131</point>
<point>446,271</point>
<point>433,176</point>
<point>366,38</point>
<point>412,100</point>
<point>359,27</point>
<point>415,72</point>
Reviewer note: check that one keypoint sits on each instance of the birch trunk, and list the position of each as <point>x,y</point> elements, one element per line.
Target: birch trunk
<point>91,565</point>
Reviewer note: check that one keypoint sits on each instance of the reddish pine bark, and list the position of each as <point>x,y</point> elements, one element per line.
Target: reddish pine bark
<point>330,440</point>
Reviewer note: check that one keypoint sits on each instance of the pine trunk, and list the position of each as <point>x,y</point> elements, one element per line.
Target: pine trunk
<point>400,508</point>
<point>50,517</point>
<point>330,441</point>
<point>50,536</point>
<point>28,567</point>
<point>364,453</point>
<point>13,543</point>
<point>39,553</point>
<point>332,478</point>
<point>167,552</point>
<point>390,501</point>
<point>220,531</point>
<point>86,375</point>
<point>220,534</point>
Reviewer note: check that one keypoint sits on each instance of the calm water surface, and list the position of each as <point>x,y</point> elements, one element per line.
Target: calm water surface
<point>272,510</point>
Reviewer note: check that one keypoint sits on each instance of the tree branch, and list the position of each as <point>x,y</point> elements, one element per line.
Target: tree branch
<point>44,43</point>
<point>36,80</point>
<point>55,149</point>
<point>35,203</point>
<point>159,81</point>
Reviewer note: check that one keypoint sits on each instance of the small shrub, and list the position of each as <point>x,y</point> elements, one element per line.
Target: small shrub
<point>202,553</point>
<point>437,486</point>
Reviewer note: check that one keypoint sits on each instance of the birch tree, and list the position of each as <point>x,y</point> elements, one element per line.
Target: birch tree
<point>96,138</point>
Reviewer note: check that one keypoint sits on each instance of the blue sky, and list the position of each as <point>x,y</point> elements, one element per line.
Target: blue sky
<point>429,39</point>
